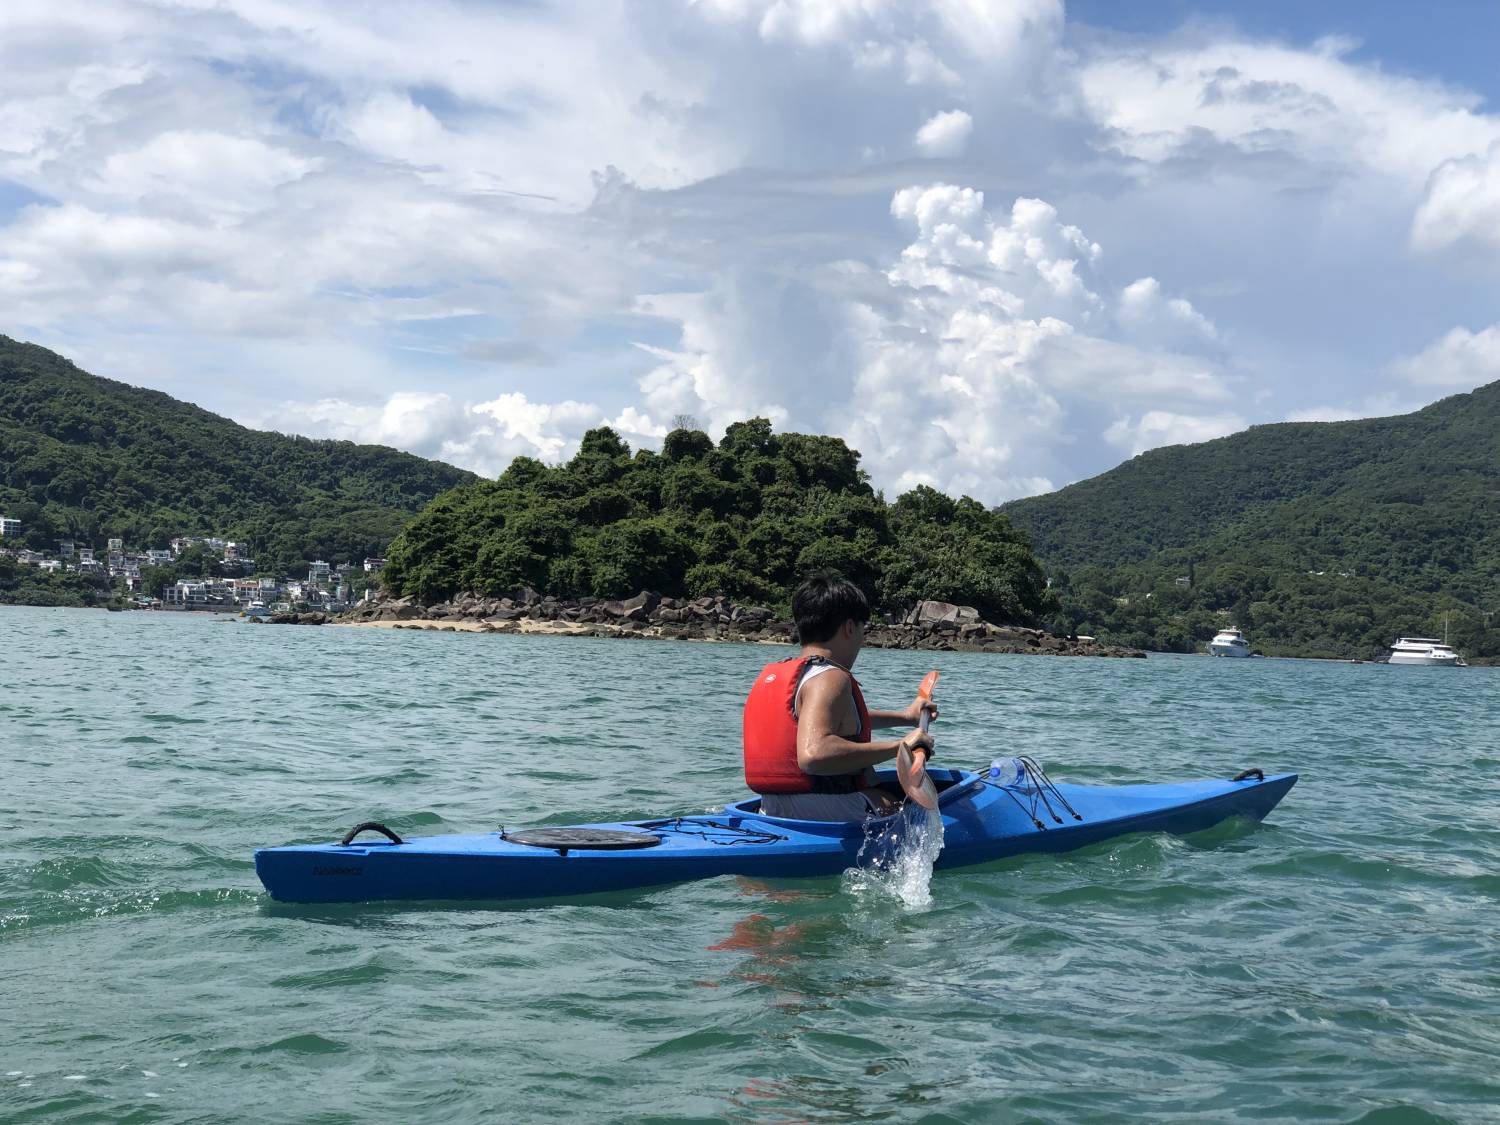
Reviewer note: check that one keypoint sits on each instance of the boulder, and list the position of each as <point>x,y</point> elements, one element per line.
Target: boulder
<point>929,613</point>
<point>637,608</point>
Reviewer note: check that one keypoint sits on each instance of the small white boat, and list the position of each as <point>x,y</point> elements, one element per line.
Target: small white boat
<point>1229,642</point>
<point>1424,651</point>
<point>256,609</point>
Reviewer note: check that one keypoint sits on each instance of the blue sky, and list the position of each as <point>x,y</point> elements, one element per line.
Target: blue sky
<point>998,247</point>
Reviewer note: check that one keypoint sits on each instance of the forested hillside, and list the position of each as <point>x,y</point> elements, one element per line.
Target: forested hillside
<point>748,516</point>
<point>1320,538</point>
<point>88,459</point>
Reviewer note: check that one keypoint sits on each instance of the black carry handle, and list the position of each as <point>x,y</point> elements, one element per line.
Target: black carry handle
<point>368,826</point>
<point>1243,775</point>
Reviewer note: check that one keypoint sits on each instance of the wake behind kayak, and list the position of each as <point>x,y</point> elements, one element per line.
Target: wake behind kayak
<point>982,821</point>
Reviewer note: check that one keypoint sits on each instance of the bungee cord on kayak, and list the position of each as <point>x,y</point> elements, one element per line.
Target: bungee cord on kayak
<point>714,832</point>
<point>1034,781</point>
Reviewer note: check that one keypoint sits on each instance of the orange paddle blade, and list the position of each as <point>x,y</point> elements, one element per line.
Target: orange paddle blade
<point>912,771</point>
<point>914,780</point>
<point>929,682</point>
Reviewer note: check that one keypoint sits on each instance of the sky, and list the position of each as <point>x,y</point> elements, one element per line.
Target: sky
<point>997,246</point>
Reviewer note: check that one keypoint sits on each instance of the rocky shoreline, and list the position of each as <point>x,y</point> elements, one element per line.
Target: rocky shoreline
<point>929,626</point>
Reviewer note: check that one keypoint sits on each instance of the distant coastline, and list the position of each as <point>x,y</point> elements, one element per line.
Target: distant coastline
<point>928,626</point>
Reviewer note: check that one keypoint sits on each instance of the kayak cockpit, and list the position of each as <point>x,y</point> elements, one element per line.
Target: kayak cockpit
<point>951,785</point>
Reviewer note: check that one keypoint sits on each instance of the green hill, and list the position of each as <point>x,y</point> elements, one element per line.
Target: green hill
<point>1325,538</point>
<point>89,459</point>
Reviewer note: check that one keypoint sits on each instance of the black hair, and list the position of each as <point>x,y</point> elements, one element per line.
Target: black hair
<point>822,604</point>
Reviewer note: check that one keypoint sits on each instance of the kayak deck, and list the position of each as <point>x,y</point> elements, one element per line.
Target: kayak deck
<point>982,821</point>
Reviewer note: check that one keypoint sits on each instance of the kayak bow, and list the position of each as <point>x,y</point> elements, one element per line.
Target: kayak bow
<point>982,821</point>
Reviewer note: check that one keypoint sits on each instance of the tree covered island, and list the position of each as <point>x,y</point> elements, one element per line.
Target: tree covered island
<point>746,517</point>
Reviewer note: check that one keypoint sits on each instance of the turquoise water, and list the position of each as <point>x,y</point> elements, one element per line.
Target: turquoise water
<point>1337,963</point>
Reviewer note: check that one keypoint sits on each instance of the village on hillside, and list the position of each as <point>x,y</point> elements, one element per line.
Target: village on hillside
<point>238,588</point>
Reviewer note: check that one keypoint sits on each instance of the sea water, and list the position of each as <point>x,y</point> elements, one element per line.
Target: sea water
<point>1336,963</point>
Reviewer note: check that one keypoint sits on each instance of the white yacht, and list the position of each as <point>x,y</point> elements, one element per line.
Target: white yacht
<point>1229,642</point>
<point>1425,650</point>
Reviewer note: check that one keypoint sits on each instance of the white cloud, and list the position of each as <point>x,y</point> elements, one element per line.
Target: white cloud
<point>1170,100</point>
<point>484,437</point>
<point>981,30</point>
<point>1326,414</point>
<point>1031,259</point>
<point>223,175</point>
<point>1380,404</point>
<point>1147,314</point>
<point>988,344</point>
<point>1462,207</point>
<point>1459,358</point>
<point>983,348</point>
<point>422,222</point>
<point>945,133</point>
<point>1156,428</point>
<point>1213,107</point>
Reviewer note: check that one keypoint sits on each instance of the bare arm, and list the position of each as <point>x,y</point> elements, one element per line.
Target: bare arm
<point>821,749</point>
<point>907,718</point>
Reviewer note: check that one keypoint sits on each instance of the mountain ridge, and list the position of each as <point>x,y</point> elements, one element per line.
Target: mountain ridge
<point>1403,510</point>
<point>1284,454</point>
<point>90,458</point>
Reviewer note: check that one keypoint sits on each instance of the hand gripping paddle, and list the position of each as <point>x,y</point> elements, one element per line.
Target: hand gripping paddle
<point>912,771</point>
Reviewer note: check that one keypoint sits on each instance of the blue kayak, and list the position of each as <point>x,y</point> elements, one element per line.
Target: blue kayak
<point>982,820</point>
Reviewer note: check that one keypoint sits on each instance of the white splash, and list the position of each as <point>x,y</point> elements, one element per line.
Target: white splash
<point>907,848</point>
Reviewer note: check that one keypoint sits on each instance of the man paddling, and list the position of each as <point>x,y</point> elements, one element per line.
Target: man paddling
<point>808,751</point>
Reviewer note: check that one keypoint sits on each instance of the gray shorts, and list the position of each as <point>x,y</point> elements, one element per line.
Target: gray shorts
<point>818,806</point>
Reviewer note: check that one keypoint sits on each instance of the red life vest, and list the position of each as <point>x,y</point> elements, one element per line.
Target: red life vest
<point>771,733</point>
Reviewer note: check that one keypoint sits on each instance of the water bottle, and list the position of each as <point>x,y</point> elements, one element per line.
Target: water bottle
<point>1008,771</point>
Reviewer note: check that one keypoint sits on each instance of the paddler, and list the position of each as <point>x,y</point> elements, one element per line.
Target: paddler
<point>808,750</point>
